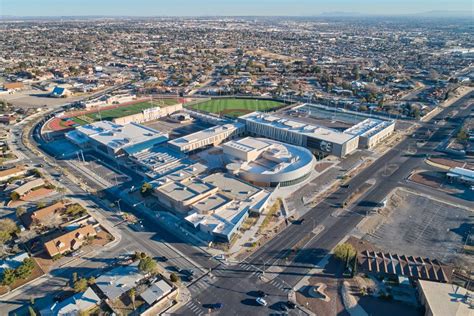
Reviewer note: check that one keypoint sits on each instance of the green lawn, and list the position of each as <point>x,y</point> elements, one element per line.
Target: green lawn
<point>236,107</point>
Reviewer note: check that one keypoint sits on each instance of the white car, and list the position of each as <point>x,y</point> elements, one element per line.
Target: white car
<point>261,301</point>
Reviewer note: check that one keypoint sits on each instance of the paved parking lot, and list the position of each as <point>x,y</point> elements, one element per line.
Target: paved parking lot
<point>421,226</point>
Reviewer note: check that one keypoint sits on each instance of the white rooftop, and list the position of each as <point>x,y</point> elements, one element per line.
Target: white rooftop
<point>73,305</point>
<point>318,132</point>
<point>368,127</point>
<point>447,299</point>
<point>463,173</point>
<point>273,157</point>
<point>119,280</point>
<point>118,136</point>
<point>156,291</point>
<point>205,134</point>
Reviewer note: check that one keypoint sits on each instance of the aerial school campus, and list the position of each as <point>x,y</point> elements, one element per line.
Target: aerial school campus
<point>236,166</point>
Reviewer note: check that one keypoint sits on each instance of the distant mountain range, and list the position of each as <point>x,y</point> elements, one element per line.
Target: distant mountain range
<point>428,14</point>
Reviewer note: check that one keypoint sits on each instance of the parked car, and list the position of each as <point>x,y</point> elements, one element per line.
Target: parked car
<point>261,293</point>
<point>291,305</point>
<point>218,305</point>
<point>261,301</point>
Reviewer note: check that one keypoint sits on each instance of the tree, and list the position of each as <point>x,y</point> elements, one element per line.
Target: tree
<point>25,269</point>
<point>147,265</point>
<point>174,278</point>
<point>36,173</point>
<point>75,210</point>
<point>7,229</point>
<point>80,285</point>
<point>463,136</point>
<point>344,252</point>
<point>132,294</point>
<point>91,280</point>
<point>146,189</point>
<point>14,196</point>
<point>8,277</point>
<point>20,211</point>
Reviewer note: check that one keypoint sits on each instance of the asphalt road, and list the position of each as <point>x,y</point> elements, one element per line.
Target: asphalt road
<point>235,282</point>
<point>156,242</point>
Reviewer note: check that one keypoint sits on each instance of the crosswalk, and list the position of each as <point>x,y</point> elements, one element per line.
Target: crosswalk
<point>250,268</point>
<point>194,308</point>
<point>256,272</point>
<point>199,286</point>
<point>280,285</point>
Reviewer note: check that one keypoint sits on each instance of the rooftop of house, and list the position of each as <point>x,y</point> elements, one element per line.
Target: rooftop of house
<point>119,280</point>
<point>69,240</point>
<point>12,171</point>
<point>156,291</point>
<point>73,305</point>
<point>30,185</point>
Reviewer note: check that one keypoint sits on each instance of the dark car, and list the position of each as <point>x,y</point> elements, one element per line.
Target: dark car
<point>261,293</point>
<point>187,272</point>
<point>291,305</point>
<point>162,258</point>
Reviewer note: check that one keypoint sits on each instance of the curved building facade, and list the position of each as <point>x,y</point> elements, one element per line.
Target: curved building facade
<point>268,163</point>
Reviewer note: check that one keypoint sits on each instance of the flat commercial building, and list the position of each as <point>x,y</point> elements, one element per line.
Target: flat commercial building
<point>461,175</point>
<point>216,204</point>
<point>150,114</point>
<point>116,140</point>
<point>371,131</point>
<point>158,161</point>
<point>209,137</point>
<point>441,299</point>
<point>268,163</point>
<point>315,138</point>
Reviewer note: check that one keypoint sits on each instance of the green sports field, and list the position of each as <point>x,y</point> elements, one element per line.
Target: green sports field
<point>129,109</point>
<point>236,107</point>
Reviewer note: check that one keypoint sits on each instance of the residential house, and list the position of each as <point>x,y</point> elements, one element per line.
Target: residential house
<point>70,241</point>
<point>29,186</point>
<point>42,215</point>
<point>76,304</point>
<point>12,172</point>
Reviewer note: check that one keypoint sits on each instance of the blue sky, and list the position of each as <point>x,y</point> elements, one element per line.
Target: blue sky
<point>224,7</point>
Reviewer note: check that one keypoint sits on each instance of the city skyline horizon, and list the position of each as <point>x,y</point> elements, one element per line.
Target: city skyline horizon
<point>245,8</point>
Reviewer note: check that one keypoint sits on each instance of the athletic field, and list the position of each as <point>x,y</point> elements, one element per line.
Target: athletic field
<point>236,107</point>
<point>121,111</point>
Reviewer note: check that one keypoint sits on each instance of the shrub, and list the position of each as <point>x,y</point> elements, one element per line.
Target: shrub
<point>80,285</point>
<point>344,252</point>
<point>8,277</point>
<point>14,196</point>
<point>146,189</point>
<point>147,265</point>
<point>174,278</point>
